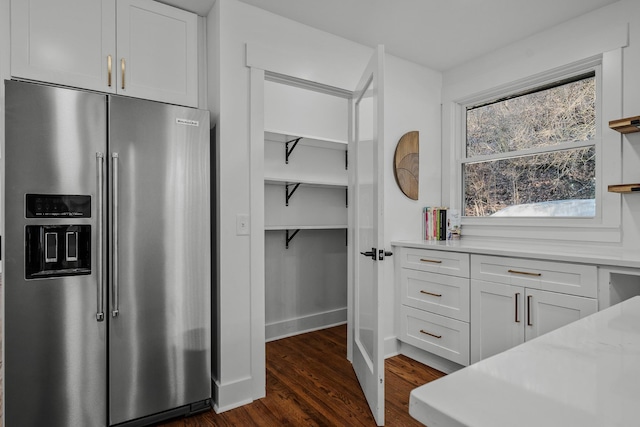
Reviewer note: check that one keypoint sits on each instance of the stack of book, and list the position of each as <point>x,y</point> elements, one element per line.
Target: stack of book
<point>440,223</point>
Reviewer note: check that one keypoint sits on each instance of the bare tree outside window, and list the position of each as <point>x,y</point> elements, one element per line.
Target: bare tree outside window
<point>533,154</point>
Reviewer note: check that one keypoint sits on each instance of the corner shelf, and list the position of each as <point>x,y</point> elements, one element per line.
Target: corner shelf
<point>624,188</point>
<point>628,125</point>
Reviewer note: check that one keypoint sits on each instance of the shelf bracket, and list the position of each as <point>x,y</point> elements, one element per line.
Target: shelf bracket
<point>290,237</point>
<point>288,151</point>
<point>289,194</point>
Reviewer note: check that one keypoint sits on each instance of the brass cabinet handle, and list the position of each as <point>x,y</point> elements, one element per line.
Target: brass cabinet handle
<point>431,260</point>
<point>109,70</point>
<point>123,66</point>
<point>526,273</point>
<point>422,331</point>
<point>517,297</point>
<point>529,310</point>
<point>430,293</point>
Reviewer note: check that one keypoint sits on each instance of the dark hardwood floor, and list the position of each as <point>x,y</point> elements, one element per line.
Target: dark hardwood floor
<point>311,383</point>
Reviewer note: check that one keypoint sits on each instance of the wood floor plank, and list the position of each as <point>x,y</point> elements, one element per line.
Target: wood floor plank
<point>311,383</point>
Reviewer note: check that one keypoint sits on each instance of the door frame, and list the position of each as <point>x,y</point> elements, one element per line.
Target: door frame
<point>256,215</point>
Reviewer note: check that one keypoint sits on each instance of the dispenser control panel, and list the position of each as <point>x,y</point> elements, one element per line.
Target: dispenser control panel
<point>57,206</point>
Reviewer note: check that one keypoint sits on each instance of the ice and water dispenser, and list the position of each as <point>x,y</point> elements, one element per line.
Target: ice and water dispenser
<point>57,249</point>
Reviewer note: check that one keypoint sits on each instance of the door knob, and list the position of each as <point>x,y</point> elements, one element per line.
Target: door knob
<point>371,253</point>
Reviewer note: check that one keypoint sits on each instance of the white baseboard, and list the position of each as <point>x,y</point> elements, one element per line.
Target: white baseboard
<point>391,347</point>
<point>290,327</point>
<point>231,395</point>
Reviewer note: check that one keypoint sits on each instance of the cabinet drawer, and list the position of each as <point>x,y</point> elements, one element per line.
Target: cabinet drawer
<point>574,279</point>
<point>443,262</point>
<point>437,293</point>
<point>443,336</point>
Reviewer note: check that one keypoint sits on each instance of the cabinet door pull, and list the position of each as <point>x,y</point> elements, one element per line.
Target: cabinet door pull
<point>422,331</point>
<point>435,261</point>
<point>517,314</point>
<point>109,70</point>
<point>430,293</point>
<point>526,273</point>
<point>529,310</point>
<point>123,65</point>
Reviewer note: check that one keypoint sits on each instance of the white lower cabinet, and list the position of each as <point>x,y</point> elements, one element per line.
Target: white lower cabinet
<point>503,316</point>
<point>434,296</point>
<point>444,336</point>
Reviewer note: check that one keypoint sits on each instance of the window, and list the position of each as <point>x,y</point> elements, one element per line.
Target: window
<point>533,154</point>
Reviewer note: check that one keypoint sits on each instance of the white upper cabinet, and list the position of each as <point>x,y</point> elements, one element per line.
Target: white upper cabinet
<point>67,42</point>
<point>158,51</point>
<point>73,43</point>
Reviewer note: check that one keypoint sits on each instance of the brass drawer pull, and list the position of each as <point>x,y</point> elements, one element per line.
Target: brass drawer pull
<point>435,261</point>
<point>422,331</point>
<point>123,65</point>
<point>526,273</point>
<point>430,293</point>
<point>109,70</point>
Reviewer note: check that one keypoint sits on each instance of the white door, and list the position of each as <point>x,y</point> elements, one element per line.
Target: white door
<point>547,311</point>
<point>366,182</point>
<point>497,318</point>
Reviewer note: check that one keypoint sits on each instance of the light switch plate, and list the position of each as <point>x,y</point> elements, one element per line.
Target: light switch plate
<point>242,224</point>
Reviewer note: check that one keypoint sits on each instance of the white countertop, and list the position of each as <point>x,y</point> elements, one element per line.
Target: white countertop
<point>604,255</point>
<point>585,374</point>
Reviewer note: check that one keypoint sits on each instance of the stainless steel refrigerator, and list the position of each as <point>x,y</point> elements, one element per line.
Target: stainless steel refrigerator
<point>107,259</point>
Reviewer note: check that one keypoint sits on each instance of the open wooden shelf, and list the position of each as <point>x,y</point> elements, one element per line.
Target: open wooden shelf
<point>628,125</point>
<point>624,188</point>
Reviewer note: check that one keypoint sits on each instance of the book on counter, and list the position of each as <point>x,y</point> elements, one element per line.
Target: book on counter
<point>440,223</point>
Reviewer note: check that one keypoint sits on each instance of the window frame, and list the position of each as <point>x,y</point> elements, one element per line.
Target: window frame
<point>553,81</point>
<point>605,226</point>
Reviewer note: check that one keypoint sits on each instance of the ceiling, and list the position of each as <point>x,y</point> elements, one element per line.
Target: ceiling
<point>439,34</point>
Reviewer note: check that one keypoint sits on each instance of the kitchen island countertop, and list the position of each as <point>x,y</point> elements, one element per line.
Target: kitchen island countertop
<point>584,374</point>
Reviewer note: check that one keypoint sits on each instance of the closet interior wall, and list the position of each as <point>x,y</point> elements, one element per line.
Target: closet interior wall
<point>305,210</point>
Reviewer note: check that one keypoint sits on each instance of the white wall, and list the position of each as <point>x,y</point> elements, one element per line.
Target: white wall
<point>609,31</point>
<point>413,99</point>
<point>412,102</point>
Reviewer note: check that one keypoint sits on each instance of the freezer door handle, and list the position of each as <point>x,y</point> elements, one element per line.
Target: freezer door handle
<point>100,232</point>
<point>114,227</point>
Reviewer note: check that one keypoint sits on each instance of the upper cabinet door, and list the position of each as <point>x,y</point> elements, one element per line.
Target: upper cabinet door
<point>157,52</point>
<point>66,42</point>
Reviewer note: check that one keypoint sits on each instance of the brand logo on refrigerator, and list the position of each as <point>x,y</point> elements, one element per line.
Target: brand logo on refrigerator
<point>187,122</point>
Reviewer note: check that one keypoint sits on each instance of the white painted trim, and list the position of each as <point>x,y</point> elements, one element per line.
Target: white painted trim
<point>304,324</point>
<point>234,393</point>
<point>258,67</point>
<point>391,347</point>
<point>605,227</point>
<point>5,73</point>
<point>292,67</point>
<point>256,232</point>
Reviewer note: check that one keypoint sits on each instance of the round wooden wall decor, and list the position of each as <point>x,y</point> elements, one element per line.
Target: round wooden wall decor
<point>406,164</point>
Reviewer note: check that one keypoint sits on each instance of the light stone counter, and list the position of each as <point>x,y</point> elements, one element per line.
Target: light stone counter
<point>584,374</point>
<point>601,256</point>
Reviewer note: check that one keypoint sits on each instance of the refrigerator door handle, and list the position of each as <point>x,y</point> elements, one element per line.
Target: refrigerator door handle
<point>100,244</point>
<point>114,225</point>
